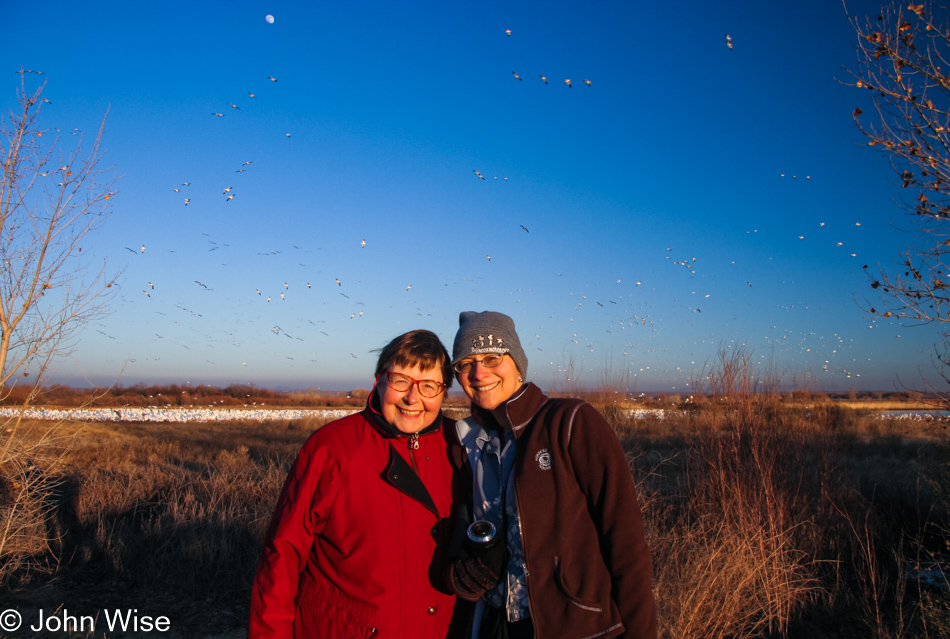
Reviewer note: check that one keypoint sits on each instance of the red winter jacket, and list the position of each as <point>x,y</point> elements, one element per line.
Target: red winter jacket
<point>354,545</point>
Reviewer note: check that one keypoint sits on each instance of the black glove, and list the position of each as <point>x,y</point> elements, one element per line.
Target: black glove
<point>480,567</point>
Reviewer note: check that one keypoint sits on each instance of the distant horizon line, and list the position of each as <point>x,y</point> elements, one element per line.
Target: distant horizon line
<point>342,387</point>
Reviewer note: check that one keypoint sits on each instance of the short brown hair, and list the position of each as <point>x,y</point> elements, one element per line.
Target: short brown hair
<point>420,348</point>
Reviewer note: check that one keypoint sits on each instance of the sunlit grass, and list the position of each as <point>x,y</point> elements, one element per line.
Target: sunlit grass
<point>766,518</point>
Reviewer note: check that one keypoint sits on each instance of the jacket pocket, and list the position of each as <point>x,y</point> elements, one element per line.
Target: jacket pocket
<point>325,612</point>
<point>564,585</point>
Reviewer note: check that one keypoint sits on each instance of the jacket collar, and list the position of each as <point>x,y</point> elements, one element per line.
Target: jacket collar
<point>520,409</point>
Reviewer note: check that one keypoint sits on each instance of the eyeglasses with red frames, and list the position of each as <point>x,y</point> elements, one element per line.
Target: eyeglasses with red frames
<point>402,383</point>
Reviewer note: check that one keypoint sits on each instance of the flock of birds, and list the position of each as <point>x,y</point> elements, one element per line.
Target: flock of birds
<point>629,309</point>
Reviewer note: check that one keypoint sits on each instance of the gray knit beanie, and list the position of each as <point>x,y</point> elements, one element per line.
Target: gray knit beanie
<point>488,332</point>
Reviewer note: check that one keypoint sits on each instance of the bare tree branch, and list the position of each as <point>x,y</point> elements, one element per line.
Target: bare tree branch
<point>51,199</point>
<point>903,58</point>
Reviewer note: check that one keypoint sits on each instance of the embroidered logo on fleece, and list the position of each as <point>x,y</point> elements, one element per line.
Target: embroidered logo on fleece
<point>544,459</point>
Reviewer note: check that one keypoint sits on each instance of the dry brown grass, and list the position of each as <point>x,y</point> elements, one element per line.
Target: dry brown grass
<point>770,518</point>
<point>765,519</point>
<point>170,516</point>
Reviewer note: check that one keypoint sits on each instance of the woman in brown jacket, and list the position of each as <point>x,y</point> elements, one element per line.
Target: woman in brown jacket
<point>551,478</point>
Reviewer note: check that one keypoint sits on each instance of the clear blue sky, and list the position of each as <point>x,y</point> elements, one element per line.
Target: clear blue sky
<point>659,225</point>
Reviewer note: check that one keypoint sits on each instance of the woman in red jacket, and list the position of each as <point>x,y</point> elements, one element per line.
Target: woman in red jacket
<point>354,545</point>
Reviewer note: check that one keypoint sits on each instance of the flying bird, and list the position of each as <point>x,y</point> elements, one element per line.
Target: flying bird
<point>234,106</point>
<point>568,83</point>
<point>251,95</point>
<point>409,287</point>
<point>544,78</point>
<point>338,282</point>
<point>363,244</point>
<point>272,78</point>
<point>508,32</point>
<point>220,115</point>
<point>525,228</point>
<point>516,75</point>
<point>586,81</point>
<point>729,41</point>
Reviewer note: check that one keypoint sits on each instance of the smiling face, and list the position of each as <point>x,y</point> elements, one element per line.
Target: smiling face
<point>408,410</point>
<point>490,387</point>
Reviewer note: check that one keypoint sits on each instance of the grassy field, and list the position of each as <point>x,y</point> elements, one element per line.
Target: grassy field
<point>767,518</point>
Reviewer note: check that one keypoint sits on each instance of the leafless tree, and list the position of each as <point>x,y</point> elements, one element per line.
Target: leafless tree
<point>51,199</point>
<point>903,62</point>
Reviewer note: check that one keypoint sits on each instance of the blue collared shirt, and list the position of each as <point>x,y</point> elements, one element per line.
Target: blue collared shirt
<point>492,457</point>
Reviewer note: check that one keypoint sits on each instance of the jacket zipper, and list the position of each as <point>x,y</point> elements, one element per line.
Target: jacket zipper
<point>524,549</point>
<point>413,445</point>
